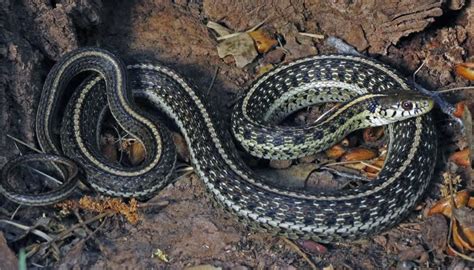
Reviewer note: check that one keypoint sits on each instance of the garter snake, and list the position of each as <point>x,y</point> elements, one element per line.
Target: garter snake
<point>372,94</point>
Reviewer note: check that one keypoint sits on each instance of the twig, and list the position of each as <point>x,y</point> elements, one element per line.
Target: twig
<point>16,211</point>
<point>25,144</point>
<point>81,220</point>
<point>64,234</point>
<point>326,113</point>
<point>15,141</point>
<point>455,89</point>
<point>317,36</point>
<point>352,162</point>
<point>29,229</point>
<point>371,166</point>
<point>463,256</point>
<point>92,233</point>
<point>183,175</point>
<point>185,169</point>
<point>239,33</point>
<point>300,252</point>
<point>453,219</point>
<point>418,70</point>
<point>212,81</point>
<point>280,46</point>
<point>154,204</point>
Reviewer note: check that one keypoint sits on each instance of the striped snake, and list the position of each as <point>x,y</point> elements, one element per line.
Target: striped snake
<point>371,94</point>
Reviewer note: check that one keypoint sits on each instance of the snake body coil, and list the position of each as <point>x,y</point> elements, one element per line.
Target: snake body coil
<point>327,216</point>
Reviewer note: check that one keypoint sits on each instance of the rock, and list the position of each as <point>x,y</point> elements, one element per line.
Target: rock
<point>8,260</point>
<point>280,164</point>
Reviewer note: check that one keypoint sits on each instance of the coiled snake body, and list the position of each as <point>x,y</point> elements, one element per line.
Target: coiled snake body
<point>373,94</point>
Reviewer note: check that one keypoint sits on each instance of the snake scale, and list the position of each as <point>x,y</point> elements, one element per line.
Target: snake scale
<point>371,94</point>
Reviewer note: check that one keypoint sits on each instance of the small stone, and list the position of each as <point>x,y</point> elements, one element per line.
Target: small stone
<point>307,159</point>
<point>274,57</point>
<point>7,257</point>
<point>280,164</point>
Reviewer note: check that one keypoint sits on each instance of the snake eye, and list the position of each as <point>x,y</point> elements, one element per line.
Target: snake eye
<point>407,105</point>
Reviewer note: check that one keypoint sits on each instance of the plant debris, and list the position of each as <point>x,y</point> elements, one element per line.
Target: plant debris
<point>115,205</point>
<point>465,70</point>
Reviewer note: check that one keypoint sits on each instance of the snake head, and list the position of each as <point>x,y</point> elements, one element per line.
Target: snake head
<point>394,107</point>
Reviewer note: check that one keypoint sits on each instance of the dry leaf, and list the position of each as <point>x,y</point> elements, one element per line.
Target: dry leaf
<point>459,111</point>
<point>449,179</point>
<point>359,154</point>
<point>316,36</point>
<point>459,239</point>
<point>220,29</point>
<point>264,69</point>
<point>129,211</point>
<point>378,163</point>
<point>160,255</point>
<point>313,247</point>
<point>136,152</point>
<point>335,152</point>
<point>461,158</point>
<point>465,216</point>
<point>240,45</point>
<point>356,166</point>
<point>465,70</point>
<point>470,203</point>
<point>263,40</point>
<point>443,206</point>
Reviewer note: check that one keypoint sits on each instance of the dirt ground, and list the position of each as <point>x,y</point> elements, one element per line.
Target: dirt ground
<point>181,221</point>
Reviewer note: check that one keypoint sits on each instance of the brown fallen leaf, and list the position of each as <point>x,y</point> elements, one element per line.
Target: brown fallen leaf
<point>443,206</point>
<point>116,205</point>
<point>360,166</point>
<point>263,69</point>
<point>134,150</point>
<point>280,164</point>
<point>460,107</point>
<point>465,216</point>
<point>313,247</point>
<point>459,239</point>
<point>377,163</point>
<point>263,40</point>
<point>335,152</point>
<point>470,203</point>
<point>240,45</point>
<point>7,256</point>
<point>465,70</point>
<point>359,154</point>
<point>461,158</point>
